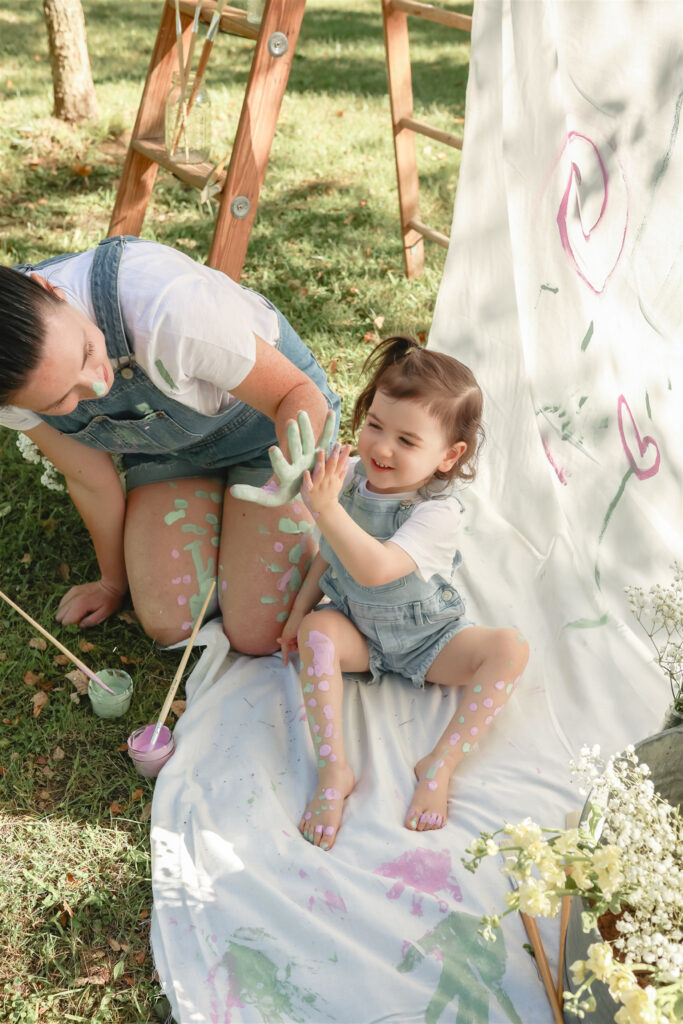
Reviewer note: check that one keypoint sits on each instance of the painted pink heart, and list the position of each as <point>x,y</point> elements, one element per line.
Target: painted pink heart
<point>641,471</point>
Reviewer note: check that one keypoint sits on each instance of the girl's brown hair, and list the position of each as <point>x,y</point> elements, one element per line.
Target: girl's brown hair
<point>401,368</point>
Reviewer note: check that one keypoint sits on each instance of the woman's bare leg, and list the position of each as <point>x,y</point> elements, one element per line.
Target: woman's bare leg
<point>488,664</point>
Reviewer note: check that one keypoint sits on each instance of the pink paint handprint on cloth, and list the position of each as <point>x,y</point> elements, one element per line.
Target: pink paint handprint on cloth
<point>593,215</point>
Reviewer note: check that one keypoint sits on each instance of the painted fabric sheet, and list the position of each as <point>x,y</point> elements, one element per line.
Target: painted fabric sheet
<point>562,291</point>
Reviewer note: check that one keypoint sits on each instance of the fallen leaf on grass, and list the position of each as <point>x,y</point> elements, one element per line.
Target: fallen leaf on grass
<point>38,643</point>
<point>370,336</point>
<point>26,559</point>
<point>378,322</point>
<point>178,707</point>
<point>75,698</point>
<point>116,808</point>
<point>99,977</point>
<point>137,794</point>
<point>146,813</point>
<point>85,646</point>
<point>61,659</point>
<point>31,678</point>
<point>127,616</point>
<point>128,661</point>
<point>40,699</point>
<point>79,680</point>
<point>64,571</point>
<point>58,754</point>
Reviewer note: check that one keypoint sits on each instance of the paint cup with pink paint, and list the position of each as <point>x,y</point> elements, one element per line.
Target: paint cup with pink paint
<point>115,701</point>
<point>147,756</point>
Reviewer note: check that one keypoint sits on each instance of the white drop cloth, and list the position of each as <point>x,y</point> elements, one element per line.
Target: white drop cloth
<point>562,292</point>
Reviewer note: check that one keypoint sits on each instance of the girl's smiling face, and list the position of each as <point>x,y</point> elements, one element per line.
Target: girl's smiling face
<point>74,365</point>
<point>401,445</point>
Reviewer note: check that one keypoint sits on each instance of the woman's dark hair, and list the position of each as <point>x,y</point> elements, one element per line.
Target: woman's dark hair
<point>23,307</point>
<point>445,387</point>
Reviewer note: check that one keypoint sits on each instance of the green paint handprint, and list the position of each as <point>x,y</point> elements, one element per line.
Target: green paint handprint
<point>289,475</point>
<point>471,969</point>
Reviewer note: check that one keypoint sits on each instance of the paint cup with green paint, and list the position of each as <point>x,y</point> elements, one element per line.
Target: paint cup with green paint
<point>116,703</point>
<point>149,758</point>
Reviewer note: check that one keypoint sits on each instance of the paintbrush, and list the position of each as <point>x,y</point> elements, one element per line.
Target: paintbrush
<point>55,641</point>
<point>183,662</point>
<point>571,821</point>
<point>180,122</point>
<point>203,59</point>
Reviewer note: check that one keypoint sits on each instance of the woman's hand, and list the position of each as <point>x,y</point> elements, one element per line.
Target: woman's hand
<point>286,481</point>
<point>320,489</point>
<point>88,604</point>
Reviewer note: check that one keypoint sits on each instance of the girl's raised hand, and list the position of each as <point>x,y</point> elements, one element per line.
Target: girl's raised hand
<point>88,604</point>
<point>321,488</point>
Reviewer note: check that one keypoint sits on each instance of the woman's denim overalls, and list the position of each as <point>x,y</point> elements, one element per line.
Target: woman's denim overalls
<point>156,434</point>
<point>408,621</point>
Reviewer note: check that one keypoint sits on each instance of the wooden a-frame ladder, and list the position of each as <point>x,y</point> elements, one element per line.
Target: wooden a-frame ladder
<point>275,39</point>
<point>399,72</point>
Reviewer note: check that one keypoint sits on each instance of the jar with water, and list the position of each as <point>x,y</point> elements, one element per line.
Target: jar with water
<point>187,133</point>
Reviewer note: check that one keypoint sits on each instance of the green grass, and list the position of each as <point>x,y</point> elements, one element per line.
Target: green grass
<point>74,815</point>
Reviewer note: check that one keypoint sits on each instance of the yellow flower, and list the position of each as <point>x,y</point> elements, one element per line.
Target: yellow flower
<point>599,960</point>
<point>607,865</point>
<point>639,1007</point>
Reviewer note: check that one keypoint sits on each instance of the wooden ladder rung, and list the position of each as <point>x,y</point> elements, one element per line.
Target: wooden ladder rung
<point>431,233</point>
<point>413,125</point>
<point>191,174</point>
<point>429,13</point>
<point>233,20</point>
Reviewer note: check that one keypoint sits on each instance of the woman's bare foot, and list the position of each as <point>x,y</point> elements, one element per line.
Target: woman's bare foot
<point>321,819</point>
<point>429,807</point>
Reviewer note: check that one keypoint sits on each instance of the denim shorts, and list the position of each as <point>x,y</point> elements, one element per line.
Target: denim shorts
<point>409,659</point>
<point>150,472</point>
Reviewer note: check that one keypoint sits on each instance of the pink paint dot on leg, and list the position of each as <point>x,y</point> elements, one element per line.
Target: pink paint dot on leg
<point>328,711</point>
<point>325,749</point>
<point>323,684</point>
<point>473,706</point>
<point>473,731</point>
<point>500,685</point>
<point>497,711</point>
<point>433,785</point>
<point>186,625</point>
<point>307,816</point>
<point>182,599</point>
<point>296,509</point>
<point>310,671</point>
<point>488,703</point>
<point>176,581</point>
<point>175,554</point>
<point>333,757</point>
<point>328,730</point>
<point>224,585</point>
<point>278,545</point>
<point>316,728</point>
<point>488,719</point>
<point>187,578</point>
<point>330,830</point>
<point>312,703</point>
<point>453,738</point>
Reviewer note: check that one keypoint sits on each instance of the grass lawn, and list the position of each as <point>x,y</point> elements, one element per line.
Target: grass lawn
<point>74,815</point>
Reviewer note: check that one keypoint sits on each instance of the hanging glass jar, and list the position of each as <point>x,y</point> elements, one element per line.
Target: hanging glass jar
<point>187,134</point>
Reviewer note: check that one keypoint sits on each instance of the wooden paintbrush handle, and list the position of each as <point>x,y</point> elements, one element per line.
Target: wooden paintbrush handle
<point>535,939</point>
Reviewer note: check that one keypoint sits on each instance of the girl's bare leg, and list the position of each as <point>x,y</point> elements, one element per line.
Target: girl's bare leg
<point>488,664</point>
<point>328,645</point>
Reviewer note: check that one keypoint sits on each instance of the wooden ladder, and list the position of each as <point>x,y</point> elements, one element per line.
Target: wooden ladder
<point>275,38</point>
<point>399,72</point>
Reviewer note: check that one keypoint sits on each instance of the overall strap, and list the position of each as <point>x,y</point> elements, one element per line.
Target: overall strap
<point>104,290</point>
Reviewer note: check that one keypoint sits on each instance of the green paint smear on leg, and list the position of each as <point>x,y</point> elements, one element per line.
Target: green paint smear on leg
<point>472,970</point>
<point>268,600</point>
<point>262,529</point>
<point>191,528</point>
<point>216,497</point>
<point>180,503</point>
<point>215,541</point>
<point>205,575</point>
<point>173,517</point>
<point>296,553</point>
<point>587,337</point>
<point>294,580</point>
<point>165,375</point>
<point>256,980</point>
<point>282,617</point>
<point>286,525</point>
<point>201,494</point>
<point>211,518</point>
<point>587,623</point>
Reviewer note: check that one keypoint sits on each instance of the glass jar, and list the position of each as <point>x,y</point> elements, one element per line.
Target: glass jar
<point>187,134</point>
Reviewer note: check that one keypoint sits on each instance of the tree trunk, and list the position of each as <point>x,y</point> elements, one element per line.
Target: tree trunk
<point>72,82</point>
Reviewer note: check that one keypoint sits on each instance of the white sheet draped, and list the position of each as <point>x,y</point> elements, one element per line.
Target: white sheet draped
<point>562,292</point>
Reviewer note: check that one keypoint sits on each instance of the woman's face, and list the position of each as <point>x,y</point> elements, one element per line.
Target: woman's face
<point>74,365</point>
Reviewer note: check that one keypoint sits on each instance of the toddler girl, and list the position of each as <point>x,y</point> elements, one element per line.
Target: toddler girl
<point>388,522</point>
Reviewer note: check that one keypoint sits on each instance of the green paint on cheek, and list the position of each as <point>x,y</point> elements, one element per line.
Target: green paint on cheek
<point>100,388</point>
<point>165,375</point>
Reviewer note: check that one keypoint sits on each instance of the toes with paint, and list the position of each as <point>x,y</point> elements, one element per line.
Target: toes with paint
<point>429,806</point>
<point>321,820</point>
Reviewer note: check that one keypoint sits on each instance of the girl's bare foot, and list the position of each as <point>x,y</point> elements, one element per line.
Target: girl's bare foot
<point>321,819</point>
<point>429,807</point>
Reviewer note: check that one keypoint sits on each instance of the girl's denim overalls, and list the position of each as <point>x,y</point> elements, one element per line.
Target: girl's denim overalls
<point>156,435</point>
<point>406,622</point>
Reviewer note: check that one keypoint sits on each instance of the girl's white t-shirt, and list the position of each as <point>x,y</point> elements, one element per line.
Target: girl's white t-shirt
<point>188,324</point>
<point>429,535</point>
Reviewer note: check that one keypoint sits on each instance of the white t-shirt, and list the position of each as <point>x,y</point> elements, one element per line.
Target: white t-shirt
<point>194,322</point>
<point>429,535</point>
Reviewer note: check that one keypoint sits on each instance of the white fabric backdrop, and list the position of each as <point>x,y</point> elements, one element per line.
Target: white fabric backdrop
<point>562,292</point>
